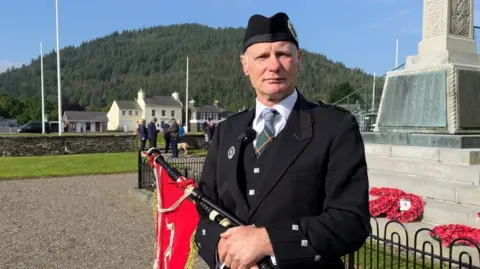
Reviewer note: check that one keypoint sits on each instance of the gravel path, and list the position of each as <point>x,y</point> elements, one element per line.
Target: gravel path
<point>75,222</point>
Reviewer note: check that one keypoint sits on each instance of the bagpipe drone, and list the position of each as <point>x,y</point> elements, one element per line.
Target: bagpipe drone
<point>179,202</point>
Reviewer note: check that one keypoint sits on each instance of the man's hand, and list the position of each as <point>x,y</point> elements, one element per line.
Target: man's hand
<point>242,247</point>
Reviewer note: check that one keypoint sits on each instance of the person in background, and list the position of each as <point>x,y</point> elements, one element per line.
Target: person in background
<point>165,127</point>
<point>181,131</point>
<point>210,130</point>
<point>172,133</point>
<point>142,134</point>
<point>152,132</point>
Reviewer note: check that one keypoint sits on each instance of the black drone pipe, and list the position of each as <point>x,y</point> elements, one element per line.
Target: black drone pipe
<point>205,204</point>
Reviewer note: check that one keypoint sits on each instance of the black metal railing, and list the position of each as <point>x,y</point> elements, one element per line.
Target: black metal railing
<point>390,245</point>
<point>189,166</point>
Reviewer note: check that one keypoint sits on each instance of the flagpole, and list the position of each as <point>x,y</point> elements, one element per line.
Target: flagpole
<point>43,88</point>
<point>396,54</point>
<point>59,83</point>
<point>186,101</point>
<point>373,95</point>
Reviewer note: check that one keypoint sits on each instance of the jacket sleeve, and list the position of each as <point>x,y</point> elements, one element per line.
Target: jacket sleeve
<point>208,232</point>
<point>344,225</point>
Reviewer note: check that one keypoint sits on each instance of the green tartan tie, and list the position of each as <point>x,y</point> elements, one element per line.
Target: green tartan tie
<point>268,133</point>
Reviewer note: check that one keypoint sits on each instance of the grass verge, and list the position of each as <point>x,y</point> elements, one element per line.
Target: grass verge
<point>67,165</point>
<point>376,256</point>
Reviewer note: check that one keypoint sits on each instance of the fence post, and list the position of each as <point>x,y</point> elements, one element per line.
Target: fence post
<point>351,260</point>
<point>139,162</point>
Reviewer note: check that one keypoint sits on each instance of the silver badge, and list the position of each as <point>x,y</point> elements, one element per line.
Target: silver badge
<point>231,152</point>
<point>292,30</point>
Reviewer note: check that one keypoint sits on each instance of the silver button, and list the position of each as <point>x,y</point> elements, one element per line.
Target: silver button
<point>251,192</point>
<point>204,232</point>
<point>304,243</point>
<point>295,227</point>
<point>317,258</point>
<point>256,170</point>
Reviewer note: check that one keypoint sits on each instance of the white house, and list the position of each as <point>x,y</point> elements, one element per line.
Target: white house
<point>85,121</point>
<point>201,114</point>
<point>124,114</point>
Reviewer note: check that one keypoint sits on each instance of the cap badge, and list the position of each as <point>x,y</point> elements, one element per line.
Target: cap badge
<point>292,30</point>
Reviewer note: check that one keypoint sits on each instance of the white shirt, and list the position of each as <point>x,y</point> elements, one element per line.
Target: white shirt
<point>284,109</point>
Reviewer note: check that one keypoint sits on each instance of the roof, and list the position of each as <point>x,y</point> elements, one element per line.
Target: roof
<point>208,109</point>
<point>125,104</point>
<point>161,101</point>
<point>85,116</point>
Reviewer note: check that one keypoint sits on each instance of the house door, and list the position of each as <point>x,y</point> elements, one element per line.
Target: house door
<point>97,126</point>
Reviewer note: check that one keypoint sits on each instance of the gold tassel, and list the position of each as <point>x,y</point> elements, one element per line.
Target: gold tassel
<point>193,252</point>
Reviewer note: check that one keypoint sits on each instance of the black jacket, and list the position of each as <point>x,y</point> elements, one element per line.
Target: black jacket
<point>317,182</point>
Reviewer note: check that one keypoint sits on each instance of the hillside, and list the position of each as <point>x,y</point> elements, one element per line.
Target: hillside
<point>116,66</point>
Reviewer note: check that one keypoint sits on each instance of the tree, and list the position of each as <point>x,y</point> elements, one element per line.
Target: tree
<point>341,90</point>
<point>154,59</point>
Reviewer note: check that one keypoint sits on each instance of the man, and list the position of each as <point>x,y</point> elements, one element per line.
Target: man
<point>209,130</point>
<point>152,132</point>
<point>302,181</point>
<point>142,134</point>
<point>172,133</point>
<point>165,127</point>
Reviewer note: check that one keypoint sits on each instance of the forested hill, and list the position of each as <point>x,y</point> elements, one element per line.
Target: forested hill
<point>154,59</point>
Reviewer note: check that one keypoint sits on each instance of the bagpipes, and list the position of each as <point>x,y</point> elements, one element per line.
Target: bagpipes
<point>175,226</point>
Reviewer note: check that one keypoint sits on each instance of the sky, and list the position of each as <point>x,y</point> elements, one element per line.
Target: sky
<point>358,33</point>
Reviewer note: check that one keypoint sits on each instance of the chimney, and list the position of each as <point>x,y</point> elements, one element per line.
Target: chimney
<point>140,94</point>
<point>176,96</point>
<point>216,103</point>
<point>192,103</point>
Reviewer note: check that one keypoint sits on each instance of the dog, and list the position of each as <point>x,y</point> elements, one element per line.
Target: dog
<point>184,146</point>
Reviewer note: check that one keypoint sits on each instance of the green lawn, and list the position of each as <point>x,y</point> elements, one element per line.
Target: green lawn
<point>373,255</point>
<point>66,165</point>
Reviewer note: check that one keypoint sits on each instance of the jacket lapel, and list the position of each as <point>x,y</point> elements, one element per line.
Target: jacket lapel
<point>297,134</point>
<point>234,154</point>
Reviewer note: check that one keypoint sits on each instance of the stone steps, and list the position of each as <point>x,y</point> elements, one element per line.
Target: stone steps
<point>443,155</point>
<point>428,169</point>
<point>447,179</point>
<point>455,192</point>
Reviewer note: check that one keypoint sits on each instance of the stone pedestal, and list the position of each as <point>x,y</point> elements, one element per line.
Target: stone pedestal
<point>438,92</point>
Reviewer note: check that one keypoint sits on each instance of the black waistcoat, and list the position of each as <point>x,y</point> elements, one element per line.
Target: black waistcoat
<point>251,168</point>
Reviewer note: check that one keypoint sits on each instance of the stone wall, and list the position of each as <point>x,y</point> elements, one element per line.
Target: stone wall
<point>36,145</point>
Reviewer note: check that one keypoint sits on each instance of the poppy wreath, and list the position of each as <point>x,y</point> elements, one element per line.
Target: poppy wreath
<point>388,202</point>
<point>450,232</point>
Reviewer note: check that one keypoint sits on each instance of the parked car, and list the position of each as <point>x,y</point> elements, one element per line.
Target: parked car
<point>36,127</point>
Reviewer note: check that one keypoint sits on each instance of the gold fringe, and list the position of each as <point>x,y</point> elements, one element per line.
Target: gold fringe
<point>193,252</point>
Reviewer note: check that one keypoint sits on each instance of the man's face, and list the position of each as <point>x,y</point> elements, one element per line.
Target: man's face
<point>272,68</point>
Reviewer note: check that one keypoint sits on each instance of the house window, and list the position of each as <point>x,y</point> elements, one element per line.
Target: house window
<point>202,116</point>
<point>215,116</point>
<point>209,115</point>
<point>71,126</point>
<point>194,115</point>
<point>172,113</point>
<point>123,112</point>
<point>130,113</point>
<point>136,113</point>
<point>153,113</point>
<point>87,126</point>
<point>163,113</point>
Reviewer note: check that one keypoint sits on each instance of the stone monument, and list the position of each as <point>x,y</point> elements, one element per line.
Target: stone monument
<point>435,100</point>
